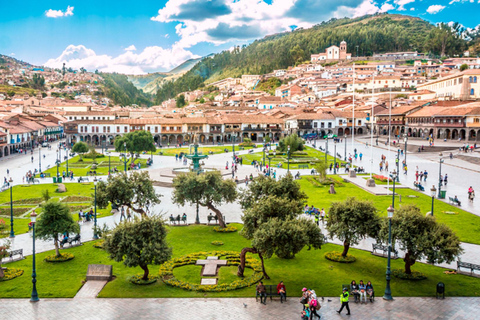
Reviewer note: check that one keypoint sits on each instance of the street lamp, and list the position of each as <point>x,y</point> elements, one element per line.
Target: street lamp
<point>39,158</point>
<point>393,175</point>
<point>433,191</point>
<point>440,175</point>
<point>12,234</point>
<point>269,159</point>
<point>233,148</point>
<point>388,291</point>
<point>334,157</point>
<point>67,151</point>
<point>95,236</point>
<point>288,159</point>
<point>405,138</point>
<point>109,170</point>
<point>264,148</point>
<point>125,157</point>
<point>398,163</point>
<point>326,148</point>
<point>345,156</point>
<point>58,162</point>
<point>34,297</point>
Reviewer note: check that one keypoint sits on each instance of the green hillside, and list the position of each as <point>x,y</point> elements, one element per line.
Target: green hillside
<point>372,34</point>
<point>122,92</point>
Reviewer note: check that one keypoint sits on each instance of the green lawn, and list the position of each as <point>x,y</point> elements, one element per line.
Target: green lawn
<point>201,149</point>
<point>81,168</point>
<point>307,269</point>
<point>31,195</point>
<point>465,224</point>
<point>296,161</point>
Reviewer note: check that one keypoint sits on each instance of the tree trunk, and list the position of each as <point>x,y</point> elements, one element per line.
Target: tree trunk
<point>265,275</point>
<point>145,271</point>
<point>346,246</point>
<point>218,214</point>
<point>57,249</point>
<point>408,263</point>
<point>241,266</point>
<point>141,211</point>
<point>1,272</point>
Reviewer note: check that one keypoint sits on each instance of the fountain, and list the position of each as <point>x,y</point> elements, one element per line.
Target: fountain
<point>195,157</point>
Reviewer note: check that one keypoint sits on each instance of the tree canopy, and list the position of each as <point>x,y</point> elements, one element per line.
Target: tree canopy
<point>80,148</point>
<point>421,236</point>
<point>134,190</point>
<point>55,220</point>
<point>207,189</point>
<point>137,141</point>
<point>292,140</point>
<point>139,243</point>
<point>351,221</point>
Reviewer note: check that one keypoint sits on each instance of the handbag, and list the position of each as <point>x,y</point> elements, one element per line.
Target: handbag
<point>303,300</point>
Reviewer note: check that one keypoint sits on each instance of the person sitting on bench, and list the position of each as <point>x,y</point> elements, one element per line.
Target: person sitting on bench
<point>457,201</point>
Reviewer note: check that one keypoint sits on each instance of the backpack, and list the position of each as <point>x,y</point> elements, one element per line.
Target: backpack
<point>303,300</point>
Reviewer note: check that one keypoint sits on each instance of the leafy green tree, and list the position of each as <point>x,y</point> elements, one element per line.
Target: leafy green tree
<point>421,236</point>
<point>180,101</point>
<point>271,221</point>
<point>292,140</point>
<point>208,189</point>
<point>351,221</point>
<point>139,243</point>
<point>321,167</point>
<point>134,191</point>
<point>464,67</point>
<point>267,139</point>
<point>136,142</point>
<point>80,148</point>
<point>297,54</point>
<point>55,220</point>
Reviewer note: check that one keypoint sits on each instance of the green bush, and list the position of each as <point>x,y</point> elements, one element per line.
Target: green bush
<point>226,230</point>
<point>337,257</point>
<point>415,275</point>
<point>65,256</point>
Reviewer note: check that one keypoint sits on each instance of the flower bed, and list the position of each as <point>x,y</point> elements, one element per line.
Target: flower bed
<point>5,211</point>
<point>64,256</point>
<point>77,199</point>
<point>414,276</point>
<point>337,257</point>
<point>77,208</point>
<point>32,201</point>
<point>233,258</point>
<point>99,244</point>
<point>217,243</point>
<point>137,279</point>
<point>11,273</point>
<point>381,178</point>
<point>226,230</point>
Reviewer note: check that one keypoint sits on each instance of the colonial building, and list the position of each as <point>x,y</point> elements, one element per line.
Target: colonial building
<point>332,53</point>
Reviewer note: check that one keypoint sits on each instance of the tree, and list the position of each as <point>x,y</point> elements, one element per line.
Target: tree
<point>80,148</point>
<point>421,236</point>
<point>321,167</point>
<point>267,139</point>
<point>352,220</point>
<point>136,142</point>
<point>180,101</point>
<point>297,53</point>
<point>133,190</point>
<point>139,243</point>
<point>54,221</point>
<point>464,67</point>
<point>294,141</point>
<point>271,221</point>
<point>207,189</point>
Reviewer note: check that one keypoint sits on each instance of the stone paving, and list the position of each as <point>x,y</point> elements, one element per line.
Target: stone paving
<point>234,308</point>
<point>90,289</point>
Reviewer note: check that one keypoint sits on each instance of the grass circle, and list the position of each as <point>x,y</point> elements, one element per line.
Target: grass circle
<point>415,275</point>
<point>11,273</point>
<point>337,257</point>
<point>137,279</point>
<point>225,230</point>
<point>217,243</point>
<point>65,256</point>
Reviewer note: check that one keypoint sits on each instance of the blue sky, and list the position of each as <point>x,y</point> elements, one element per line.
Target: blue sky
<point>148,36</point>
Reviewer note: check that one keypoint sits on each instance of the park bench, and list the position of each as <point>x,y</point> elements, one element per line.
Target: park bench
<point>5,187</point>
<point>467,265</point>
<point>356,296</point>
<point>212,217</point>
<point>184,219</point>
<point>18,252</point>
<point>453,201</point>
<point>75,239</point>
<point>384,249</point>
<point>271,291</point>
<point>172,220</point>
<point>325,239</point>
<point>47,175</point>
<point>81,179</point>
<point>418,186</point>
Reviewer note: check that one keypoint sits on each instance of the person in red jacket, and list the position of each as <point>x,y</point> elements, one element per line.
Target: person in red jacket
<point>282,291</point>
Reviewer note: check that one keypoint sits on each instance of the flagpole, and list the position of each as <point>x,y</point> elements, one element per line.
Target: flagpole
<point>353,111</point>
<point>371,129</point>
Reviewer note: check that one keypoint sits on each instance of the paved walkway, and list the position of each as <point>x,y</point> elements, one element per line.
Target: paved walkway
<point>234,308</point>
<point>90,289</point>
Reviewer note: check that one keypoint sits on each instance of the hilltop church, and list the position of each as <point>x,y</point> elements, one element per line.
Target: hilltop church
<point>332,53</point>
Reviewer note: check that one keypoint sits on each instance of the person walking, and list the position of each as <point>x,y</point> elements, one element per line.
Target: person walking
<point>344,300</point>
<point>445,180</point>
<point>322,216</point>
<point>122,213</point>
<point>316,219</point>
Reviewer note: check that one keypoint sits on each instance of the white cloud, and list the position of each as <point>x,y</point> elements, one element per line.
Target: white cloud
<point>151,59</point>
<point>167,36</point>
<point>412,9</point>
<point>131,48</point>
<point>401,4</point>
<point>59,13</point>
<point>436,8</point>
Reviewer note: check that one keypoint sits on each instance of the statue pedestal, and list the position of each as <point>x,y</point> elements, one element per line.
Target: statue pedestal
<point>370,183</point>
<point>352,174</point>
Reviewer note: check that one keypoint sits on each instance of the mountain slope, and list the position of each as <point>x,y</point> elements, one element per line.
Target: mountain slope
<point>372,34</point>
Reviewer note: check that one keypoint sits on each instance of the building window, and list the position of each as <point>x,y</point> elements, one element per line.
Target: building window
<point>329,124</point>
<point>108,129</point>
<point>118,129</point>
<point>125,129</point>
<point>148,128</point>
<point>156,129</point>
<point>472,92</point>
<point>475,79</point>
<point>103,129</point>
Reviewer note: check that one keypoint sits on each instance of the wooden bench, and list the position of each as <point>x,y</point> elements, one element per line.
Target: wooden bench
<point>212,217</point>
<point>271,291</point>
<point>453,201</point>
<point>418,186</point>
<point>467,265</point>
<point>81,179</point>
<point>379,246</point>
<point>18,252</point>
<point>75,239</point>
<point>47,175</point>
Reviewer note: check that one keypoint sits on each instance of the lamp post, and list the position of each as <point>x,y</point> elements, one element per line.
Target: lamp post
<point>34,297</point>
<point>334,157</point>
<point>39,158</point>
<point>405,138</point>
<point>393,175</point>
<point>67,151</point>
<point>345,156</point>
<point>125,157</point>
<point>269,160</point>
<point>233,148</point>
<point>95,236</point>
<point>433,191</point>
<point>12,234</point>
<point>440,175</point>
<point>288,159</point>
<point>398,163</point>
<point>326,148</point>
<point>109,170</point>
<point>58,162</point>
<point>388,291</point>
<point>264,148</point>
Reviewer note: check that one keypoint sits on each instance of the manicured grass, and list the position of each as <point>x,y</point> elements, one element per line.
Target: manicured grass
<point>81,168</point>
<point>465,224</point>
<point>201,149</point>
<point>308,269</point>
<point>296,161</point>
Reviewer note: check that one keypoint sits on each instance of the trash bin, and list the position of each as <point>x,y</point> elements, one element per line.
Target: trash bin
<point>443,193</point>
<point>440,290</point>
<point>59,180</point>
<point>54,179</point>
